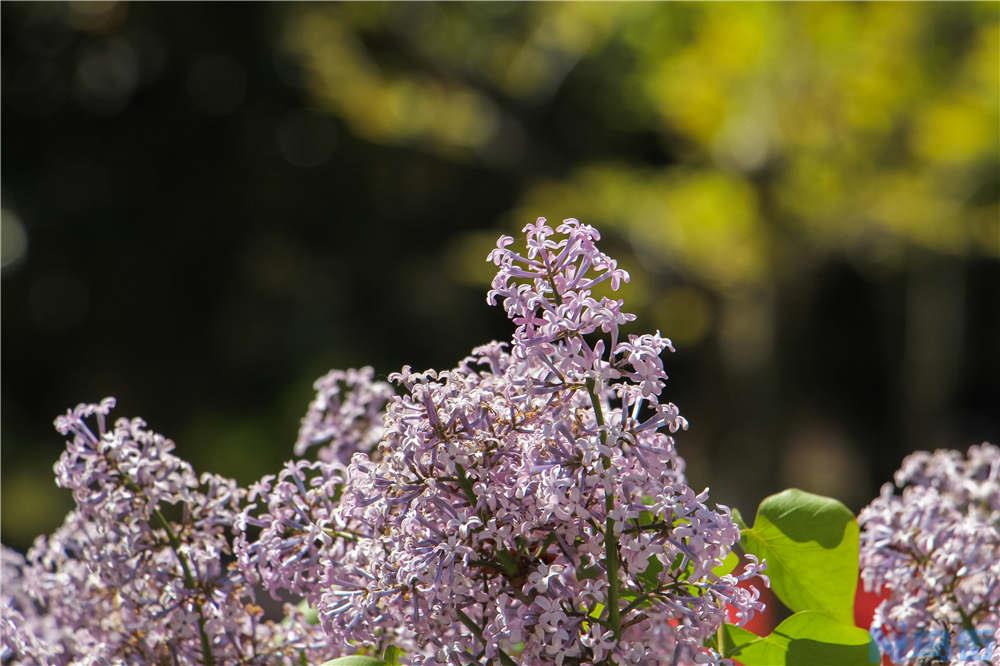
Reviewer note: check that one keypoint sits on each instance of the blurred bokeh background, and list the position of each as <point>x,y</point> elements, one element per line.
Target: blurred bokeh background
<point>205,206</point>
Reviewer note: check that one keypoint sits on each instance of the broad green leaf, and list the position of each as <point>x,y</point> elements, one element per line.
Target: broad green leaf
<point>355,660</point>
<point>807,638</point>
<point>735,638</point>
<point>811,547</point>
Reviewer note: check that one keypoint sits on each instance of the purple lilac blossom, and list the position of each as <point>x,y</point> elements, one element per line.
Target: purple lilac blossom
<point>24,627</point>
<point>934,548</point>
<point>121,582</point>
<point>345,416</point>
<point>288,535</point>
<point>298,531</point>
<point>529,505</point>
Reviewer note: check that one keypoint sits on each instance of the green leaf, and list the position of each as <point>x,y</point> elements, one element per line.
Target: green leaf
<point>508,560</point>
<point>728,565</point>
<point>738,519</point>
<point>506,660</point>
<point>355,660</point>
<point>631,598</point>
<point>587,571</point>
<point>392,656</point>
<point>807,638</point>
<point>650,578</point>
<point>811,547</point>
<point>310,614</point>
<point>736,638</point>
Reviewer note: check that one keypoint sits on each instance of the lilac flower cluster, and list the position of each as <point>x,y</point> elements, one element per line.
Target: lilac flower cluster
<point>23,629</point>
<point>528,506</point>
<point>345,416</point>
<point>288,533</point>
<point>298,531</point>
<point>138,572</point>
<point>935,549</point>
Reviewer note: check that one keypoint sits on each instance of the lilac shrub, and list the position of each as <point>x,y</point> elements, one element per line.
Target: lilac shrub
<point>527,506</point>
<point>934,548</point>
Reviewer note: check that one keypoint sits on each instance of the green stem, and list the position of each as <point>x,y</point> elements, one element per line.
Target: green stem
<point>466,485</point>
<point>968,626</point>
<point>611,562</point>
<point>478,633</point>
<point>340,534</point>
<point>175,544</point>
<point>638,601</point>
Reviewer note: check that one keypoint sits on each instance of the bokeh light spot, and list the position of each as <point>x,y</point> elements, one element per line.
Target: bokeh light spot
<point>13,238</point>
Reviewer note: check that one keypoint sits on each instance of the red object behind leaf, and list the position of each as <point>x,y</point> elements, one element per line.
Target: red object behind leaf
<point>865,604</point>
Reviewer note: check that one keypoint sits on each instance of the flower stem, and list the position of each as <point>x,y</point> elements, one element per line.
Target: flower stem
<point>969,627</point>
<point>611,562</point>
<point>175,544</point>
<point>466,485</point>
<point>505,658</point>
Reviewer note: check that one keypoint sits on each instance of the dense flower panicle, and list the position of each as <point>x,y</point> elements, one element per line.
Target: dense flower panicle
<point>299,535</point>
<point>24,627</point>
<point>548,295</point>
<point>122,582</point>
<point>935,548</point>
<point>298,532</point>
<point>345,416</point>
<point>515,497</point>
